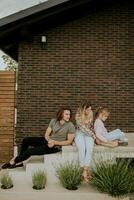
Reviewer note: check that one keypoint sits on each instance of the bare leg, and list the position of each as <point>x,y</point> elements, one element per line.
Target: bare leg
<point>111,144</point>
<point>86,174</point>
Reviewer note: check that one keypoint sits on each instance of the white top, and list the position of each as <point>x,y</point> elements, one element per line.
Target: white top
<point>100,130</point>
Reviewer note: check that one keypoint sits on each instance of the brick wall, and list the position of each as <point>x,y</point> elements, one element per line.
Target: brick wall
<point>86,58</point>
<point>7,100</point>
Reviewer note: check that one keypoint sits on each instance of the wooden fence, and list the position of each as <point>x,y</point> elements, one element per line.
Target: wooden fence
<point>7,102</point>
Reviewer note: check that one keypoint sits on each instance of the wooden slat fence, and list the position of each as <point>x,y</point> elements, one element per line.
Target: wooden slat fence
<point>7,102</point>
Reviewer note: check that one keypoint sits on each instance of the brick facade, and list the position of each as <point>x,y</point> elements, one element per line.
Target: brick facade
<point>87,58</point>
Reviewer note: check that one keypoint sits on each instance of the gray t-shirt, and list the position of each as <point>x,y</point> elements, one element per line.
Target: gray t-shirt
<point>61,131</point>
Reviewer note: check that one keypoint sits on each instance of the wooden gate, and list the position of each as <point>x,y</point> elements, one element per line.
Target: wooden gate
<point>7,102</point>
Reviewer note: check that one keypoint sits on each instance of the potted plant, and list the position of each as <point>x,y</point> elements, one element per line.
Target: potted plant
<point>114,179</point>
<point>39,180</point>
<point>69,175</point>
<point>6,181</point>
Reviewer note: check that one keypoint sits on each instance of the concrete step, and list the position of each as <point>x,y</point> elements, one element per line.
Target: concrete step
<point>70,152</point>
<point>35,159</point>
<point>51,161</point>
<point>33,167</point>
<point>33,164</point>
<point>48,165</point>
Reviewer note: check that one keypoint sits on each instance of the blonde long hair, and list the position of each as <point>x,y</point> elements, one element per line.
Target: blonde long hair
<point>80,112</point>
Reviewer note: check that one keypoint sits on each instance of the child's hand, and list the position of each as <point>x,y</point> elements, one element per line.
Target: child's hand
<point>97,141</point>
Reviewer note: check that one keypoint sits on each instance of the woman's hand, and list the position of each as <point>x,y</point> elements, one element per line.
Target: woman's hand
<point>94,136</point>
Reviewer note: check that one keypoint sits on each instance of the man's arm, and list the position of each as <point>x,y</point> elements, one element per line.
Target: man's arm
<point>47,133</point>
<point>69,141</point>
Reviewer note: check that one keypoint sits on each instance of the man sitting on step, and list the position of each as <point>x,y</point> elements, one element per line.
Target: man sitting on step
<point>60,132</point>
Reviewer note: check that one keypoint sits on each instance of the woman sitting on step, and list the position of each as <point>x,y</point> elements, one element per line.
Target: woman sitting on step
<point>60,132</point>
<point>85,138</point>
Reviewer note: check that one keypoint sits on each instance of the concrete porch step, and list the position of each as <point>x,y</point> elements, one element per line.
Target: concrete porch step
<point>33,167</point>
<point>35,159</point>
<point>48,165</point>
<point>120,151</point>
<point>33,164</point>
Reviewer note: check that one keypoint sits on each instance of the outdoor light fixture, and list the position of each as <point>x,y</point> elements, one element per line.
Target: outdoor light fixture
<point>43,41</point>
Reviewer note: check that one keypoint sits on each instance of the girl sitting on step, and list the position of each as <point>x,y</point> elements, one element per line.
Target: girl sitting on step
<point>105,138</point>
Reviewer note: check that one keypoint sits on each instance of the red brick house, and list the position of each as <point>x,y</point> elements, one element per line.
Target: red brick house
<point>88,54</point>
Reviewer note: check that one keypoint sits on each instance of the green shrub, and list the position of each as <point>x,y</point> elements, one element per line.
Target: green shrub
<point>69,175</point>
<point>6,181</point>
<point>131,170</point>
<point>113,178</point>
<point>39,179</point>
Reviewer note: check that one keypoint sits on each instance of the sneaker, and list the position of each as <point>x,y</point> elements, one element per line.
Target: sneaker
<point>6,165</point>
<point>122,143</point>
<point>10,166</point>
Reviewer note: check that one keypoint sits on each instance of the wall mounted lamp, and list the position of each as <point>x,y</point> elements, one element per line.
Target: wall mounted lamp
<point>43,41</point>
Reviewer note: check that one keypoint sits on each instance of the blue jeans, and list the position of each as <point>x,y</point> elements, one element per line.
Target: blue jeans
<point>116,134</point>
<point>85,146</point>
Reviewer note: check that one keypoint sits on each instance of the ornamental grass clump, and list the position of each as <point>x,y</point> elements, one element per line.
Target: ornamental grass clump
<point>131,171</point>
<point>39,180</point>
<point>6,181</point>
<point>69,175</point>
<point>132,184</point>
<point>114,179</point>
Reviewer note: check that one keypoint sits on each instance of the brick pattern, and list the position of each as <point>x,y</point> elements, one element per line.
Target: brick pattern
<point>86,58</point>
<point>7,100</point>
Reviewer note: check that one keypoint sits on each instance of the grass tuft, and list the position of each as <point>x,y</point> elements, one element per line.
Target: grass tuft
<point>6,181</point>
<point>69,175</point>
<point>115,179</point>
<point>39,179</point>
